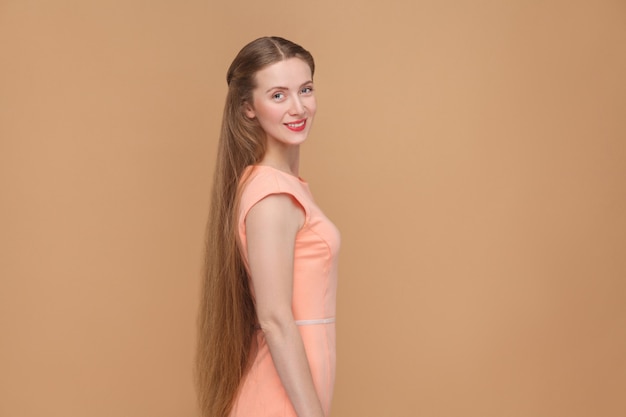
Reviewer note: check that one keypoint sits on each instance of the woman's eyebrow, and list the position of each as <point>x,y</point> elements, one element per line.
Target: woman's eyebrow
<point>287,88</point>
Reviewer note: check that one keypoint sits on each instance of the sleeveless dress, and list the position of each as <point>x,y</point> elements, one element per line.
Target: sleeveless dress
<point>261,393</point>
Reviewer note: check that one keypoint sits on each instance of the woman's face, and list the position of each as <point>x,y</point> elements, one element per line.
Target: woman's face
<point>283,102</point>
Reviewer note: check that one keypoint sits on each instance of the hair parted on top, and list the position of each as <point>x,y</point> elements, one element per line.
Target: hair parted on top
<point>262,52</point>
<point>226,316</point>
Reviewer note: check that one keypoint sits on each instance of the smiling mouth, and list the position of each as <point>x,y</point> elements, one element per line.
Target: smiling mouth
<point>297,126</point>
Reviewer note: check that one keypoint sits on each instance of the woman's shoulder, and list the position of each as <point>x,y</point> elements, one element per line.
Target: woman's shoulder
<point>267,178</point>
<point>260,181</point>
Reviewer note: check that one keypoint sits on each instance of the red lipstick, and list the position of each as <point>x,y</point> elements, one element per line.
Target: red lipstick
<point>297,126</point>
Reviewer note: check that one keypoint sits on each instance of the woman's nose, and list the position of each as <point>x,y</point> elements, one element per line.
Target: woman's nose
<point>296,106</point>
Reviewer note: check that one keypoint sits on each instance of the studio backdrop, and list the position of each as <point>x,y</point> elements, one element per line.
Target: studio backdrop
<point>472,153</point>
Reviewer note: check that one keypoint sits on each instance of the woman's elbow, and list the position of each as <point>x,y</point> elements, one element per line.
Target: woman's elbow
<point>275,322</point>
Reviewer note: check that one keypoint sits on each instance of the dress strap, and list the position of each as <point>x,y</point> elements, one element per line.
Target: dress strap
<point>315,321</point>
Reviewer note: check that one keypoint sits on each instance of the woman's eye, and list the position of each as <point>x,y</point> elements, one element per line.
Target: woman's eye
<point>306,90</point>
<point>278,96</point>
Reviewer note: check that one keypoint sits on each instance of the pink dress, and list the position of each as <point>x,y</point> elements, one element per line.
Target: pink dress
<point>314,294</point>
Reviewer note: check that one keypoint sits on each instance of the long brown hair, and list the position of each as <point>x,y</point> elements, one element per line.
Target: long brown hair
<point>227,315</point>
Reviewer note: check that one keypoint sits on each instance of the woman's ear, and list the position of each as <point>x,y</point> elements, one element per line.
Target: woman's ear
<point>250,113</point>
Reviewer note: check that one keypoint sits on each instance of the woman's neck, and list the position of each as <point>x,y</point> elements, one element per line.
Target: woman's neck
<point>285,158</point>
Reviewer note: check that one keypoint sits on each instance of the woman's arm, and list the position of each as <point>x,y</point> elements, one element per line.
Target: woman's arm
<point>271,228</point>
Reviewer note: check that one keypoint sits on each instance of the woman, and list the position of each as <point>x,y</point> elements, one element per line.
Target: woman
<point>267,316</point>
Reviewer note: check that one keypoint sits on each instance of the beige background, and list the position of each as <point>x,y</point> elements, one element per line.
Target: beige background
<point>473,153</point>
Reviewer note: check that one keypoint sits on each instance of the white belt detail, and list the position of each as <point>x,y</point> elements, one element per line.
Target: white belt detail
<point>315,321</point>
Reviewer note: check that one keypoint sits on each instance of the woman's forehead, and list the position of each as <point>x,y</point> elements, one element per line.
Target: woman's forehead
<point>287,73</point>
